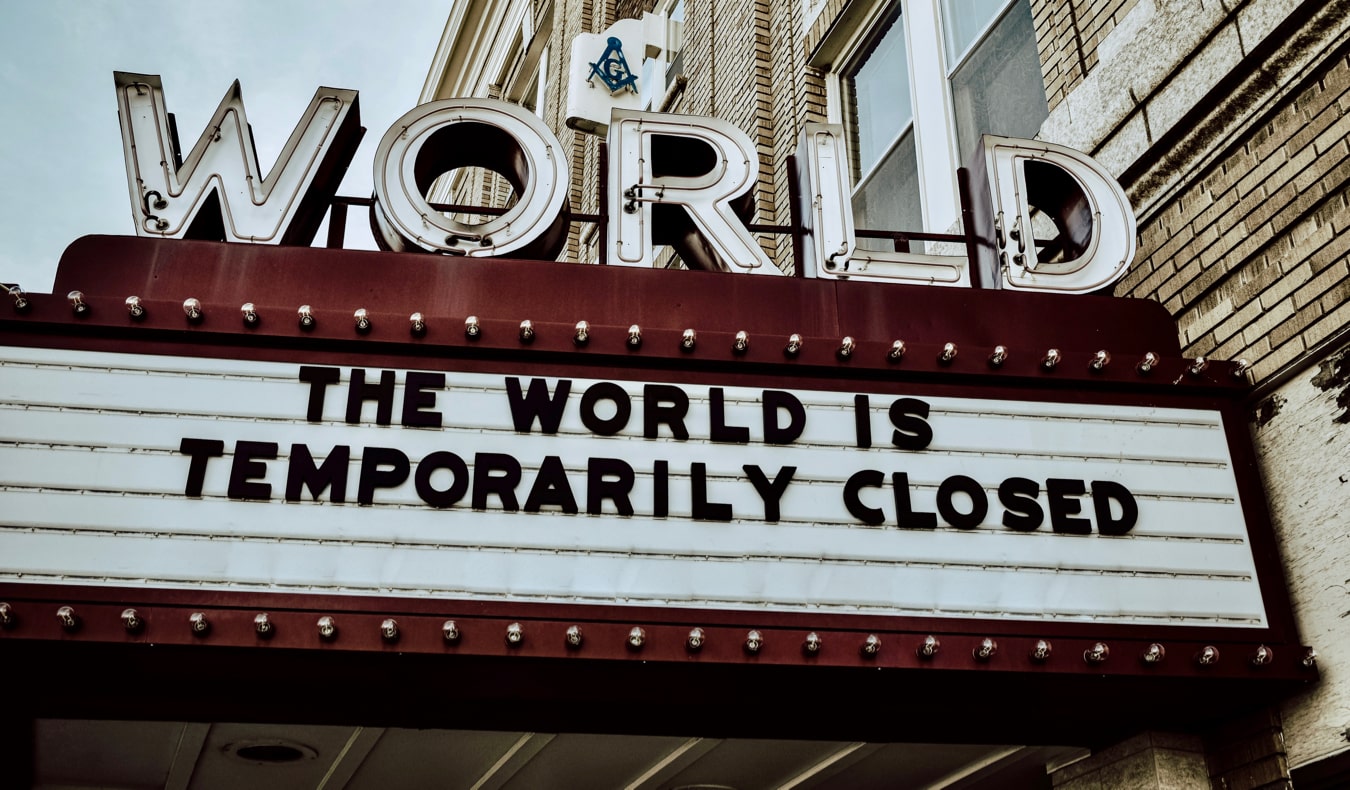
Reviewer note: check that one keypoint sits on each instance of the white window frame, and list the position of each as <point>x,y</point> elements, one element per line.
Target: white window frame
<point>934,119</point>
<point>658,69</point>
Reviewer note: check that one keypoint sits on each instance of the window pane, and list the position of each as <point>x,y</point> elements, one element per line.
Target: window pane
<point>889,199</point>
<point>962,23</point>
<point>998,90</point>
<point>676,67</point>
<point>878,96</point>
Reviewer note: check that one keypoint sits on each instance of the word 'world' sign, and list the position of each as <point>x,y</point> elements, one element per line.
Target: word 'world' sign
<point>681,180</point>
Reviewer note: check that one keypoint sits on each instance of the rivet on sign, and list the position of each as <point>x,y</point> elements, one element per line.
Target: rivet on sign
<point>572,637</point>
<point>754,640</point>
<point>812,644</point>
<point>1040,652</point>
<point>327,628</point>
<point>582,335</point>
<point>1147,364</point>
<point>199,624</point>
<point>948,354</point>
<point>688,339</point>
<point>1262,656</point>
<point>794,345</point>
<point>637,638</point>
<point>263,625</point>
<point>1208,656</point>
<point>134,308</point>
<point>998,357</point>
<point>985,650</point>
<point>389,630</point>
<point>362,319</point>
<point>249,314</point>
<point>192,308</point>
<point>694,642</point>
<point>845,349</point>
<point>306,315</point>
<point>1198,366</point>
<point>1099,361</point>
<point>1240,369</point>
<point>526,333</point>
<point>1154,654</point>
<point>417,325</point>
<point>514,634</point>
<point>871,646</point>
<point>472,329</point>
<point>1097,654</point>
<point>1051,359</point>
<point>634,336</point>
<point>928,647</point>
<point>450,631</point>
<point>897,351</point>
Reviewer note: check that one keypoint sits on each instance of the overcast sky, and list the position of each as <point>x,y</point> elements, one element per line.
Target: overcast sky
<point>61,163</point>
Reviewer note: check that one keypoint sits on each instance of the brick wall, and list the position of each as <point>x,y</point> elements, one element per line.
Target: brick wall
<point>1229,126</point>
<point>827,16</point>
<point>1248,753</point>
<point>1251,256</point>
<point>570,19</point>
<point>1067,34</point>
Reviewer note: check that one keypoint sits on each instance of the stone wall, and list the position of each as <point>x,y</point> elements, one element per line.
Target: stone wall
<point>1069,33</point>
<point>1302,433</point>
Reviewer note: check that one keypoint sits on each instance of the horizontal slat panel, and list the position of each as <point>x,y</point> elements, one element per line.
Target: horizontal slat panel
<point>635,536</point>
<point>814,495</point>
<point>65,464</point>
<point>749,584</point>
<point>479,401</point>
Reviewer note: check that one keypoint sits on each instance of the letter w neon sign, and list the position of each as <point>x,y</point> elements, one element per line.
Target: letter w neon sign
<point>218,192</point>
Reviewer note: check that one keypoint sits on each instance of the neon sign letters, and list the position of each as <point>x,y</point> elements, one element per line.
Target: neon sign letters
<point>682,180</point>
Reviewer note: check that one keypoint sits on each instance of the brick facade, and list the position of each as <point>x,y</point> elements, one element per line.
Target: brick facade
<point>1253,256</point>
<point>1228,124</point>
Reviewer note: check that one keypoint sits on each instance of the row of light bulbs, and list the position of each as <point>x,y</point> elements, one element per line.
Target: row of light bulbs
<point>581,336</point>
<point>573,638</point>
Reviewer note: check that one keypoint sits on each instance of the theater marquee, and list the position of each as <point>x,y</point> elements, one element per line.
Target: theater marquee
<point>514,458</point>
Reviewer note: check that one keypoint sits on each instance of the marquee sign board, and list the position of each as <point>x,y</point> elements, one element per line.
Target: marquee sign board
<point>218,474</point>
<point>676,462</point>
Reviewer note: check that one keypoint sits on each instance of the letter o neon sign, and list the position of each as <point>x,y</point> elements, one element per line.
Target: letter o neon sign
<point>440,136</point>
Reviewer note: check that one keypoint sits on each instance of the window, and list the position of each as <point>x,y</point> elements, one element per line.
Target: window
<point>658,74</point>
<point>876,95</point>
<point>921,81</point>
<point>995,72</point>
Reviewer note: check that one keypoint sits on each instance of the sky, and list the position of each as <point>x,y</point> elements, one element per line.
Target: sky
<point>61,158</point>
